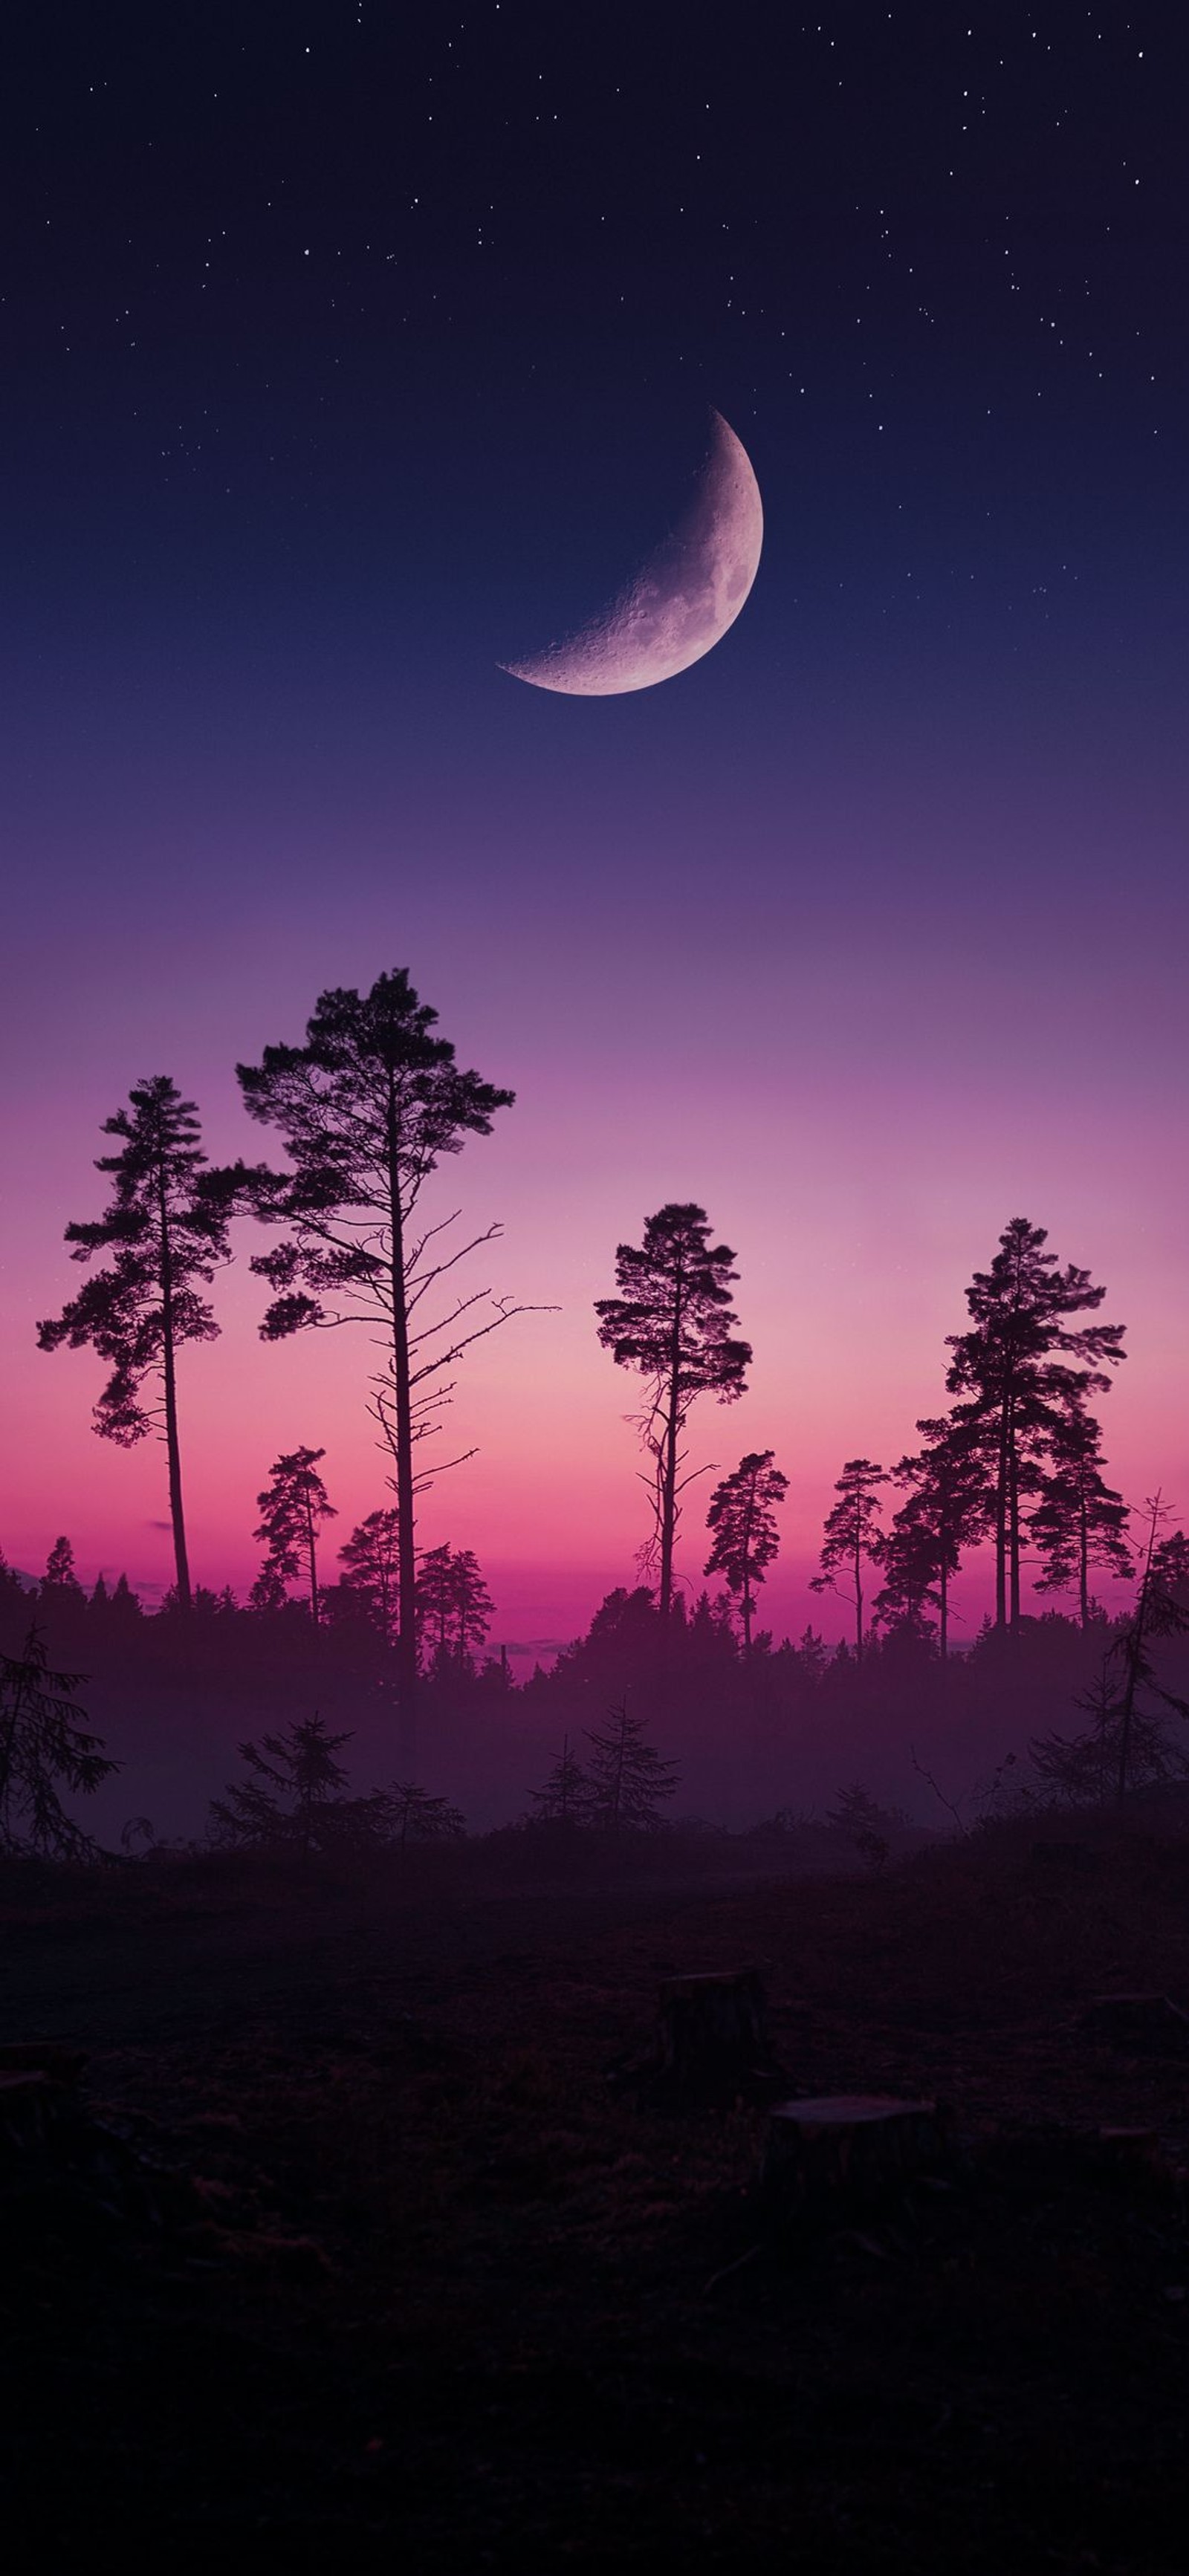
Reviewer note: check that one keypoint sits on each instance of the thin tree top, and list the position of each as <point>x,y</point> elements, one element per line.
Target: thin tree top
<point>166,1227</point>
<point>371,1090</point>
<point>673,1317</point>
<point>160,1172</point>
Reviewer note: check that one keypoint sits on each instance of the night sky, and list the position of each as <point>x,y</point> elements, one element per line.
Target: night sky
<point>351,351</point>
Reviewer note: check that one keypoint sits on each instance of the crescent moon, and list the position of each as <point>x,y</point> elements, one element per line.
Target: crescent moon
<point>681,602</point>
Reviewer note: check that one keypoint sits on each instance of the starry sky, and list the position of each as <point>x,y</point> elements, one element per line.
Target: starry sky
<point>350,352</point>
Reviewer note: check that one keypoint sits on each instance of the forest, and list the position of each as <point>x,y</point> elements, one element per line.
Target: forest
<point>354,1687</point>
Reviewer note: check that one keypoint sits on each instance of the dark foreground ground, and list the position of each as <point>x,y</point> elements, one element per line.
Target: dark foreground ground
<point>441,2298</point>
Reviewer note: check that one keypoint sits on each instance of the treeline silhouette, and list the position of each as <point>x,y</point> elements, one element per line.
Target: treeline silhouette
<point>365,1110</point>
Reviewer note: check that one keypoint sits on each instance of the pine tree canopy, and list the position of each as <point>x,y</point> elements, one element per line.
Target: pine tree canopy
<point>166,1228</point>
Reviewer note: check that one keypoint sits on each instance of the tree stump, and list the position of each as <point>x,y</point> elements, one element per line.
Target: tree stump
<point>1145,2025</point>
<point>712,2032</point>
<point>33,2111</point>
<point>848,2147</point>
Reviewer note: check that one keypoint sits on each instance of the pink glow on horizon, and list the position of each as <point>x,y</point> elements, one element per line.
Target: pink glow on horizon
<point>859,1093</point>
<point>850,1277</point>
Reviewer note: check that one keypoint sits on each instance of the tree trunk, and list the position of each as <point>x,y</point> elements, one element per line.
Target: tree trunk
<point>1001,1522</point>
<point>311,1542</point>
<point>858,1594</point>
<point>1013,1495</point>
<point>943,1621</point>
<point>712,2032</point>
<point>668,1501</point>
<point>169,1374</point>
<point>669,1483</point>
<point>1135,1648</point>
<point>406,1643</point>
<point>1084,1561</point>
<point>748,1605</point>
<point>848,2147</point>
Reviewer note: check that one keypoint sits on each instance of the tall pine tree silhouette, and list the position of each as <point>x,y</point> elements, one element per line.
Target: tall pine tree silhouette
<point>852,1537</point>
<point>293,1506</point>
<point>166,1229</point>
<point>367,1108</point>
<point>371,1558</point>
<point>742,1523</point>
<point>673,1321</point>
<point>946,1507</point>
<point>1080,1521</point>
<point>1011,1374</point>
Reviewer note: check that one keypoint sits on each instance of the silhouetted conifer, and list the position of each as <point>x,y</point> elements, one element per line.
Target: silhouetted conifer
<point>367,1108</point>
<point>45,1747</point>
<point>1080,1521</point>
<point>60,1576</point>
<point>565,1797</point>
<point>125,1604</point>
<point>371,1562</point>
<point>628,1779</point>
<point>673,1322</point>
<point>1085,1768</point>
<point>166,1228</point>
<point>853,1537</point>
<point>293,1797</point>
<point>293,1506</point>
<point>453,1605</point>
<point>1012,1374</point>
<point>946,1511</point>
<point>406,1813</point>
<point>1161,1610</point>
<point>742,1519</point>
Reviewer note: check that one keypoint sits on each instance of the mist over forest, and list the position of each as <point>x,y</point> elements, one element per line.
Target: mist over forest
<point>367,1656</point>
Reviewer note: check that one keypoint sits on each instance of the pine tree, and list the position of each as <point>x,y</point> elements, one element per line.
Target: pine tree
<point>742,1519</point>
<point>946,1511</point>
<point>565,1797</point>
<point>1011,1374</point>
<point>371,1557</point>
<point>293,1795</point>
<point>434,1600</point>
<point>367,1108</point>
<point>166,1228</point>
<point>293,1506</point>
<point>852,1537</point>
<point>45,1747</point>
<point>60,1576</point>
<point>1127,1742</point>
<point>812,1655</point>
<point>673,1322</point>
<point>473,1605</point>
<point>454,1606</point>
<point>406,1813</point>
<point>1160,1611</point>
<point>1080,1521</point>
<point>125,1605</point>
<point>627,1776</point>
<point>1085,1767</point>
